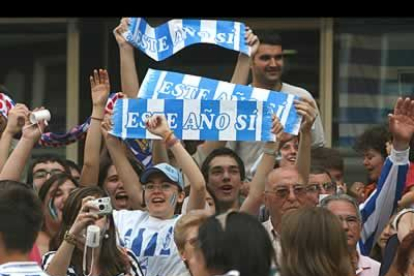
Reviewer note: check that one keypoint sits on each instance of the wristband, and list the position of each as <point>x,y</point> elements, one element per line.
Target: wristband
<point>69,238</point>
<point>168,136</point>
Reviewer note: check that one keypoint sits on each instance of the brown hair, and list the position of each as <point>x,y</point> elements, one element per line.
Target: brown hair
<point>328,158</point>
<point>405,249</point>
<point>194,218</point>
<point>112,261</point>
<point>319,249</point>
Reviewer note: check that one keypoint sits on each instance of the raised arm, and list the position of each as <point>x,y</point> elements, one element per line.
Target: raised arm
<point>159,152</point>
<point>15,122</point>
<point>240,76</point>
<point>254,199</point>
<point>377,209</point>
<point>15,164</point>
<point>129,75</point>
<point>99,92</point>
<point>242,69</point>
<point>158,125</point>
<point>125,170</point>
<point>307,108</point>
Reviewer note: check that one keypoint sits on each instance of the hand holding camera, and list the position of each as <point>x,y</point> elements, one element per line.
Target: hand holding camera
<point>103,206</point>
<point>90,211</point>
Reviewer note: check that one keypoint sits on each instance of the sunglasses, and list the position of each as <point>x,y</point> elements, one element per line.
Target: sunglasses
<point>284,191</point>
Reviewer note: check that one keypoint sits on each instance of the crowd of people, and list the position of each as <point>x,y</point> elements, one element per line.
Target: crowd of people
<point>227,208</point>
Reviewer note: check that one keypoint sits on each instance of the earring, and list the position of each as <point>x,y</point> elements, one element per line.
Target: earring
<point>106,236</point>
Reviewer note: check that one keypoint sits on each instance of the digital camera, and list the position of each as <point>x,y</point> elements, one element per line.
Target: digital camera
<point>103,205</point>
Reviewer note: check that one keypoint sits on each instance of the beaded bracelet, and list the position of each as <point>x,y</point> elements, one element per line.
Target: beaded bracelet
<point>69,238</point>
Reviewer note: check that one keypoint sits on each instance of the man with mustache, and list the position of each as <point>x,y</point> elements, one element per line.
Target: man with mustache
<point>284,191</point>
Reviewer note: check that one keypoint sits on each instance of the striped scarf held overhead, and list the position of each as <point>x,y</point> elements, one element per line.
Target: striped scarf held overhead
<point>166,40</point>
<point>140,147</point>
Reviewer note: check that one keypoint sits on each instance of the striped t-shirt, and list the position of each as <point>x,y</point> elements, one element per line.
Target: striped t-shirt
<point>134,271</point>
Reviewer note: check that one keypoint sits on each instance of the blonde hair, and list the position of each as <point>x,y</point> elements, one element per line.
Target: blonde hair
<point>314,244</point>
<point>194,218</point>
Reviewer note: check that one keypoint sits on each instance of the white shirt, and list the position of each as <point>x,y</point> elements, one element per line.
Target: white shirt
<point>275,238</point>
<point>21,269</point>
<point>152,241</point>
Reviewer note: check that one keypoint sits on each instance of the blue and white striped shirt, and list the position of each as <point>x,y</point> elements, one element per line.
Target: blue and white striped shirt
<point>380,205</point>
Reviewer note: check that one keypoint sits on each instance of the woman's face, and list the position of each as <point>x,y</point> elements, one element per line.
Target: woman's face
<point>373,162</point>
<point>61,195</point>
<point>115,188</point>
<point>386,234</point>
<point>288,152</point>
<point>161,196</point>
<point>55,200</point>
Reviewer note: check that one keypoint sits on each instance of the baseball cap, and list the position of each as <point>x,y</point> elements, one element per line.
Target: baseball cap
<point>169,171</point>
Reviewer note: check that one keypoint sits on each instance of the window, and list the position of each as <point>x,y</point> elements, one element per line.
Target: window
<point>33,57</point>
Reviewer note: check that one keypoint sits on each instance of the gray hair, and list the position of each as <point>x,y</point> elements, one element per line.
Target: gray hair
<point>341,197</point>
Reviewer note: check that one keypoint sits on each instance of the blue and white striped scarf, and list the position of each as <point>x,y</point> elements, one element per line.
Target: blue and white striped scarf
<point>167,39</point>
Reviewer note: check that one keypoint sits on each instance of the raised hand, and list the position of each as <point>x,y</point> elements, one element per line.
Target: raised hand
<point>107,122</point>
<point>17,118</point>
<point>401,123</point>
<point>85,218</point>
<point>106,126</point>
<point>158,125</point>
<point>100,87</point>
<point>252,40</point>
<point>34,131</point>
<point>119,30</point>
<point>277,129</point>
<point>307,108</point>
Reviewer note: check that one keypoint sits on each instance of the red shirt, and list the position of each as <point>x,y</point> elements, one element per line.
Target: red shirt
<point>410,177</point>
<point>35,255</point>
<point>369,189</point>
